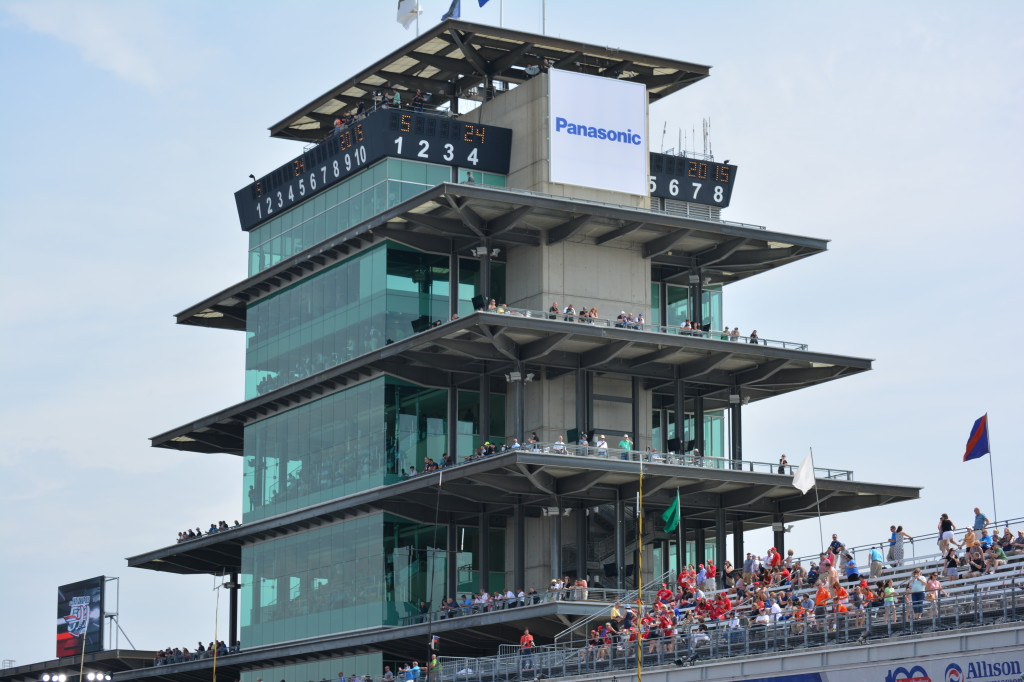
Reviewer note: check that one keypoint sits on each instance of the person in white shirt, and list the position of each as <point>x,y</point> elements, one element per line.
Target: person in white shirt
<point>602,446</point>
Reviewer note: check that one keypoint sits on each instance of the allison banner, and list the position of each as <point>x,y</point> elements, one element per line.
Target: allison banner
<point>80,617</point>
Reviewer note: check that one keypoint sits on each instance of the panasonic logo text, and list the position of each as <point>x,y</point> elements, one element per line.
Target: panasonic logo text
<point>625,136</point>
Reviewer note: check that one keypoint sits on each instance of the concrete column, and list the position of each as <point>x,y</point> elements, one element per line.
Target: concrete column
<point>778,520</point>
<point>452,438</point>
<point>485,274</point>
<point>720,545</point>
<point>635,413</point>
<point>736,435</point>
<point>699,540</point>
<point>519,411</point>
<point>556,541</point>
<point>452,553</point>
<point>698,423</point>
<point>663,303</point>
<point>581,401</point>
<point>738,553</point>
<point>581,540</point>
<point>620,544</point>
<point>453,282</point>
<point>664,556</point>
<point>233,610</point>
<point>590,398</point>
<point>519,540</point>
<point>679,412</point>
<point>484,408</point>
<point>485,550</point>
<point>698,298</point>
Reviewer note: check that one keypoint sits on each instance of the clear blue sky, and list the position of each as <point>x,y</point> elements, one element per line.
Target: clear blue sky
<point>893,129</point>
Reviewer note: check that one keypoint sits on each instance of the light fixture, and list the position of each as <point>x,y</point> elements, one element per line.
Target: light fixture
<point>734,398</point>
<point>495,251</point>
<point>746,400</point>
<point>529,377</point>
<point>253,177</point>
<point>479,251</point>
<point>91,676</point>
<point>694,279</point>
<point>46,677</point>
<point>514,376</point>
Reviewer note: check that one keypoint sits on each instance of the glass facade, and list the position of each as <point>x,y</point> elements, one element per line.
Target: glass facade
<point>360,197</point>
<point>360,664</point>
<point>677,305</point>
<point>359,573</point>
<point>379,296</point>
<point>663,428</point>
<point>360,438</point>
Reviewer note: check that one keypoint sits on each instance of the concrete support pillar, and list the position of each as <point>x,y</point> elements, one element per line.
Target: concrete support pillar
<point>698,423</point>
<point>697,313</point>
<point>590,398</point>
<point>556,540</point>
<point>233,610</point>
<point>681,543</point>
<point>581,402</point>
<point>720,545</point>
<point>452,436</point>
<point>679,413</point>
<point>779,521</point>
<point>663,304</point>
<point>664,557</point>
<point>581,540</point>
<point>452,553</point>
<point>484,406</point>
<point>519,411</point>
<point>738,553</point>
<point>736,435</point>
<point>620,544</point>
<point>635,413</point>
<point>699,541</point>
<point>485,273</point>
<point>453,282</point>
<point>519,540</point>
<point>485,550</point>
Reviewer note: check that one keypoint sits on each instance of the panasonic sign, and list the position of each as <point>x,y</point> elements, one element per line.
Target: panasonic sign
<point>597,131</point>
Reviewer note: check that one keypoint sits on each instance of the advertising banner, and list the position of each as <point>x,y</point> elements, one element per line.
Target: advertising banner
<point>597,128</point>
<point>80,617</point>
<point>984,666</point>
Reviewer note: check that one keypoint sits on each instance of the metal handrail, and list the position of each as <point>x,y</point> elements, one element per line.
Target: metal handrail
<point>689,459</point>
<point>576,318</point>
<point>717,639</point>
<point>916,538</point>
<point>627,598</point>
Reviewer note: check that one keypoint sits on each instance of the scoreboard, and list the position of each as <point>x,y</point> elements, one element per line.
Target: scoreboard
<point>693,180</point>
<point>391,132</point>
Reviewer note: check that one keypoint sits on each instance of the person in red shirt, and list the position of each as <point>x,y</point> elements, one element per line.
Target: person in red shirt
<point>664,594</point>
<point>526,650</point>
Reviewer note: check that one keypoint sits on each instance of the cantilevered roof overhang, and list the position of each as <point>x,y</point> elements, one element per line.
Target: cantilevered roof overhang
<point>456,218</point>
<point>538,480</point>
<point>493,344</point>
<point>458,58</point>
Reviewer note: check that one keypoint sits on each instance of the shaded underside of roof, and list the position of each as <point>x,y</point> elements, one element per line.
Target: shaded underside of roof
<point>451,218</point>
<point>457,58</point>
<point>459,352</point>
<point>536,481</point>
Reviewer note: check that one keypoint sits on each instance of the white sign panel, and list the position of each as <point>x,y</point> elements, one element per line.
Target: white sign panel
<point>597,129</point>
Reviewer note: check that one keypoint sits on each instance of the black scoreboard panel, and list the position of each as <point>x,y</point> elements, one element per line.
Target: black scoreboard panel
<point>693,180</point>
<point>391,132</point>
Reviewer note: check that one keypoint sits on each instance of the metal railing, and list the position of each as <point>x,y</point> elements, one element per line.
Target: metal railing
<point>630,597</point>
<point>687,459</point>
<point>579,318</point>
<point>985,605</point>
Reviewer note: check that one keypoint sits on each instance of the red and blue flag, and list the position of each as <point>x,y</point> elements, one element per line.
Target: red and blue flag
<point>977,444</point>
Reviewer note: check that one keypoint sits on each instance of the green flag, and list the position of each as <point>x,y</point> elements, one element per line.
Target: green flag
<point>671,516</point>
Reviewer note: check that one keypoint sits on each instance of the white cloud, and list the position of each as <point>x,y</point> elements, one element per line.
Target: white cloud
<point>131,40</point>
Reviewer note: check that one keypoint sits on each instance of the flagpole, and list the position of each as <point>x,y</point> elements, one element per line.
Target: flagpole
<point>640,564</point>
<point>991,474</point>
<point>817,504</point>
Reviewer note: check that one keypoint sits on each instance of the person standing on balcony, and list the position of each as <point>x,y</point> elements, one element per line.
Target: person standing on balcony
<point>626,444</point>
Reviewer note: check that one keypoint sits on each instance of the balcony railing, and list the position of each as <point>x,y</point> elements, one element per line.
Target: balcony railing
<point>580,318</point>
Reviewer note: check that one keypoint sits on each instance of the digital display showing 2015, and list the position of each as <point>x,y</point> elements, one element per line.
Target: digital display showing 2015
<point>693,180</point>
<point>391,132</point>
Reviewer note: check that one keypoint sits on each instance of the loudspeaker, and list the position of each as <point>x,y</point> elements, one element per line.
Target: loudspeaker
<point>479,303</point>
<point>673,445</point>
<point>420,324</point>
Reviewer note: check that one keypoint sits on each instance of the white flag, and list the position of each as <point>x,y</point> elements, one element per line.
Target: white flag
<point>803,479</point>
<point>408,11</point>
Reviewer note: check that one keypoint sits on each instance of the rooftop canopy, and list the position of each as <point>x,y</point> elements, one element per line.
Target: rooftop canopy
<point>459,60</point>
<point>458,217</point>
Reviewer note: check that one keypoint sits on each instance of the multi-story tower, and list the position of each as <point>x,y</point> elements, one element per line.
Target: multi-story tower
<point>371,345</point>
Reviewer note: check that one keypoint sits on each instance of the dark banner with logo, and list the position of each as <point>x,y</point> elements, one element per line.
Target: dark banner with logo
<point>80,617</point>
